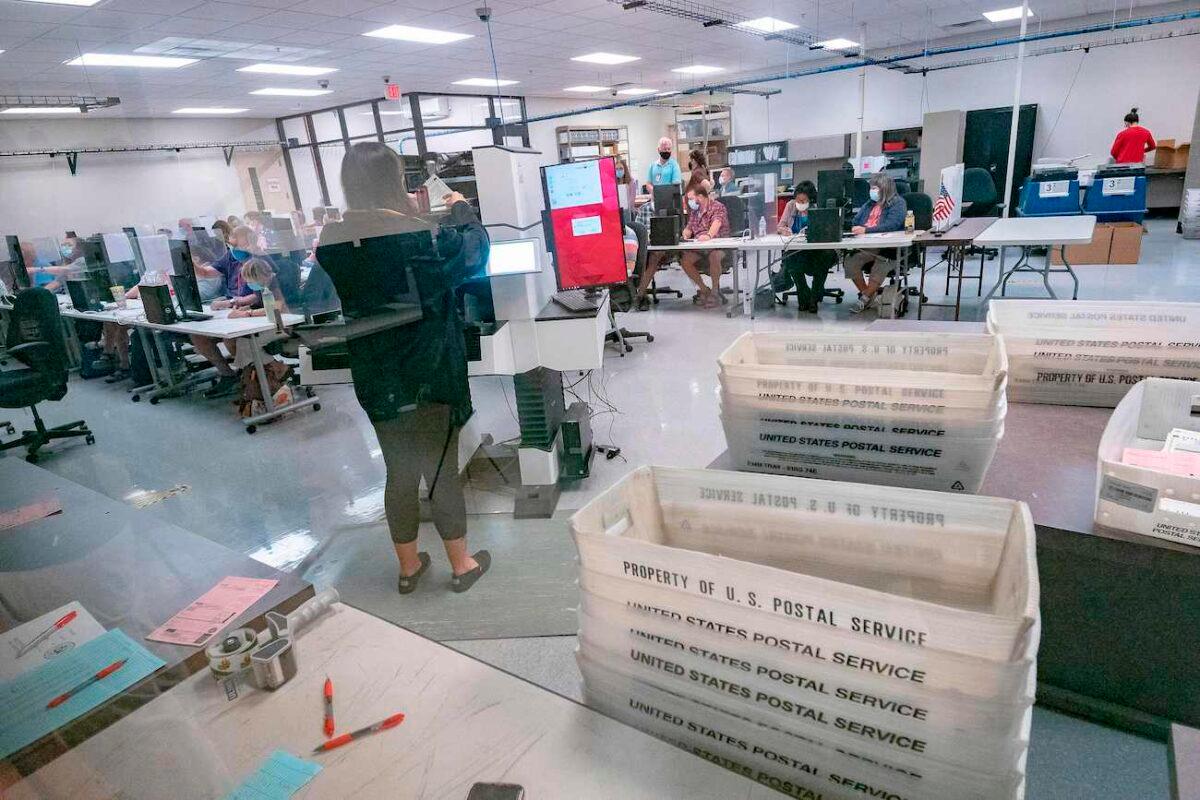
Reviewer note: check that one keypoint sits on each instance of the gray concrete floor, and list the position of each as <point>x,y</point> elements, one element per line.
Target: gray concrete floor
<point>305,493</point>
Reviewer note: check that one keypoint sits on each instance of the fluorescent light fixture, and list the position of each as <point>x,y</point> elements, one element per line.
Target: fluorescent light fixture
<point>42,110</point>
<point>292,92</point>
<point>766,25</point>
<point>837,44</point>
<point>407,33</point>
<point>586,88</point>
<point>635,91</point>
<point>489,82</point>
<point>67,2</point>
<point>1005,14</point>
<point>671,93</point>
<point>120,60</point>
<point>606,58</point>
<point>209,110</point>
<point>698,69</point>
<point>287,69</point>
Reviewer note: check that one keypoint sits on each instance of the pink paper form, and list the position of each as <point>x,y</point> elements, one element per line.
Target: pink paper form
<point>212,611</point>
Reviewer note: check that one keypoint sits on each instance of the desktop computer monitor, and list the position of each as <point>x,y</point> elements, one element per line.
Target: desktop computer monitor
<point>16,261</point>
<point>93,253</point>
<point>183,277</point>
<point>836,185</point>
<point>585,227</point>
<point>668,199</point>
<point>514,257</point>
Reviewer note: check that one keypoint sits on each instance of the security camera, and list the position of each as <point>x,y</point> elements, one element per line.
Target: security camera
<point>484,13</point>
<point>324,84</point>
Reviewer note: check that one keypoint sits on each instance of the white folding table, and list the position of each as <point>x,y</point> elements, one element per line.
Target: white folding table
<point>1030,232</point>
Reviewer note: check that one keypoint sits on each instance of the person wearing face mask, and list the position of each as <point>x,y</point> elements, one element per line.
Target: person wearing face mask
<point>883,213</point>
<point>626,187</point>
<point>664,171</point>
<point>237,295</point>
<point>258,274</point>
<point>803,264</point>
<point>727,183</point>
<point>707,219</point>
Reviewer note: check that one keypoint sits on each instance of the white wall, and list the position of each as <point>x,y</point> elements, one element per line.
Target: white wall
<point>40,196</point>
<point>1158,77</point>
<point>646,126</point>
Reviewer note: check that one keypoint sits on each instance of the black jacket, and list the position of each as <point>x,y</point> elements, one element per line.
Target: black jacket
<point>425,362</point>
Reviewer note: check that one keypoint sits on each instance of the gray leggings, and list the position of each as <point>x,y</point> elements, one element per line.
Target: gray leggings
<point>413,445</point>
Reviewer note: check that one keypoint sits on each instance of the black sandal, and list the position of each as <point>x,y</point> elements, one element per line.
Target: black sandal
<point>461,583</point>
<point>408,583</point>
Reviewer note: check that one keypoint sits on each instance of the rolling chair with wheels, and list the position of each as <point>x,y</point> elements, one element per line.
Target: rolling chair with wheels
<point>980,199</point>
<point>35,339</point>
<point>616,333</point>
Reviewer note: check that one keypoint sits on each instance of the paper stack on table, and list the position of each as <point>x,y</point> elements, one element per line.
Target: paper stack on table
<point>924,411</point>
<point>1090,353</point>
<point>834,640</point>
<point>41,639</point>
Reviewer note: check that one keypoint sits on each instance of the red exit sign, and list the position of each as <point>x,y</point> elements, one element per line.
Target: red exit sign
<point>393,91</point>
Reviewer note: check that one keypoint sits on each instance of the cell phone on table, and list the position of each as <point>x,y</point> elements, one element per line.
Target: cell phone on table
<point>496,791</point>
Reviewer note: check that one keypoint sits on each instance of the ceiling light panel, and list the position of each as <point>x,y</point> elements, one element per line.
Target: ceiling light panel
<point>489,82</point>
<point>1006,14</point>
<point>287,69</point>
<point>837,44</point>
<point>767,25</point>
<point>125,60</point>
<point>609,59</point>
<point>281,92</point>
<point>407,33</point>
<point>698,69</point>
<point>635,92</point>
<point>209,110</point>
<point>586,88</point>
<point>43,110</point>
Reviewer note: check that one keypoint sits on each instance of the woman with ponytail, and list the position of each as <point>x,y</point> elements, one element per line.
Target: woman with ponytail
<point>1133,143</point>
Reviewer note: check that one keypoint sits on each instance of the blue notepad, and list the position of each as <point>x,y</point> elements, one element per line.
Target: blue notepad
<point>26,718</point>
<point>277,779</point>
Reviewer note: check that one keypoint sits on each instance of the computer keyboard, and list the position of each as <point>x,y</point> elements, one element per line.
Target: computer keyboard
<point>576,300</point>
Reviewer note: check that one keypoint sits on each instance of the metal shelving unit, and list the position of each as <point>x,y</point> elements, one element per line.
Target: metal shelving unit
<point>582,143</point>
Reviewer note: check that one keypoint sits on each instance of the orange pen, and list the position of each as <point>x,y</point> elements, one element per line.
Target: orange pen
<point>99,676</point>
<point>328,707</point>
<point>347,738</point>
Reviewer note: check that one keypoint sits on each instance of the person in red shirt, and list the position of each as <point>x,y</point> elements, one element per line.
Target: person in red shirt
<point>1132,144</point>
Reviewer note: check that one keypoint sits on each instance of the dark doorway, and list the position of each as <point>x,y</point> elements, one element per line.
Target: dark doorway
<point>985,144</point>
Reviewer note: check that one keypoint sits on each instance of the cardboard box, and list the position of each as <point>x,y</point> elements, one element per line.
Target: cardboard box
<point>1170,155</point>
<point>1094,253</point>
<point>1126,242</point>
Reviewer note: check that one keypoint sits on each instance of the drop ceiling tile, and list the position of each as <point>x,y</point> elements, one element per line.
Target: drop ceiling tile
<point>191,26</point>
<point>310,22</point>
<point>232,12</point>
<point>335,8</point>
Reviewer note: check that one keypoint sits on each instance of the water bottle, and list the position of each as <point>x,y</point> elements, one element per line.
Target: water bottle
<point>910,222</point>
<point>268,300</point>
<point>762,227</point>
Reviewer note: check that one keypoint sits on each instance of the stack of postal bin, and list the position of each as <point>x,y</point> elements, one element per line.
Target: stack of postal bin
<point>1091,353</point>
<point>830,640</point>
<point>920,410</point>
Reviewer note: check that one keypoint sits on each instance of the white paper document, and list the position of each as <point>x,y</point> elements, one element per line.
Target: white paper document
<point>81,628</point>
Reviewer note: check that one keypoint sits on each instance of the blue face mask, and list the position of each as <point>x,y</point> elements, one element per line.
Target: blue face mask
<point>66,250</point>
<point>254,287</point>
<point>240,255</point>
<point>874,194</point>
<point>620,173</point>
<point>694,205</point>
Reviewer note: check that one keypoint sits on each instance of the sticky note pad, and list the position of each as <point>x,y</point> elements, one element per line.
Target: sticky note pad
<point>281,775</point>
<point>26,718</point>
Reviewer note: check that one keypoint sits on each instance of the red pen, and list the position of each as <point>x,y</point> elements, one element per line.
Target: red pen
<point>328,707</point>
<point>99,676</point>
<point>62,622</point>
<point>347,738</point>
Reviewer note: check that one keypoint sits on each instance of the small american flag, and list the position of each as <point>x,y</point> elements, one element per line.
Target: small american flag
<point>944,206</point>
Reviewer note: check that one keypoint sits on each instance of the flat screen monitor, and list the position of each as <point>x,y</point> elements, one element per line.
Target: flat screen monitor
<point>93,253</point>
<point>835,185</point>
<point>585,220</point>
<point>668,199</point>
<point>514,257</point>
<point>187,291</point>
<point>16,261</point>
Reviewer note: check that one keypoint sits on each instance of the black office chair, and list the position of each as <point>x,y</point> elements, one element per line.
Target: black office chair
<point>35,338</point>
<point>902,186</point>
<point>979,190</point>
<point>623,297</point>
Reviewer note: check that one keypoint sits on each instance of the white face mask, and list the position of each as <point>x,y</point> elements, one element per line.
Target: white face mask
<point>801,206</point>
<point>694,205</point>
